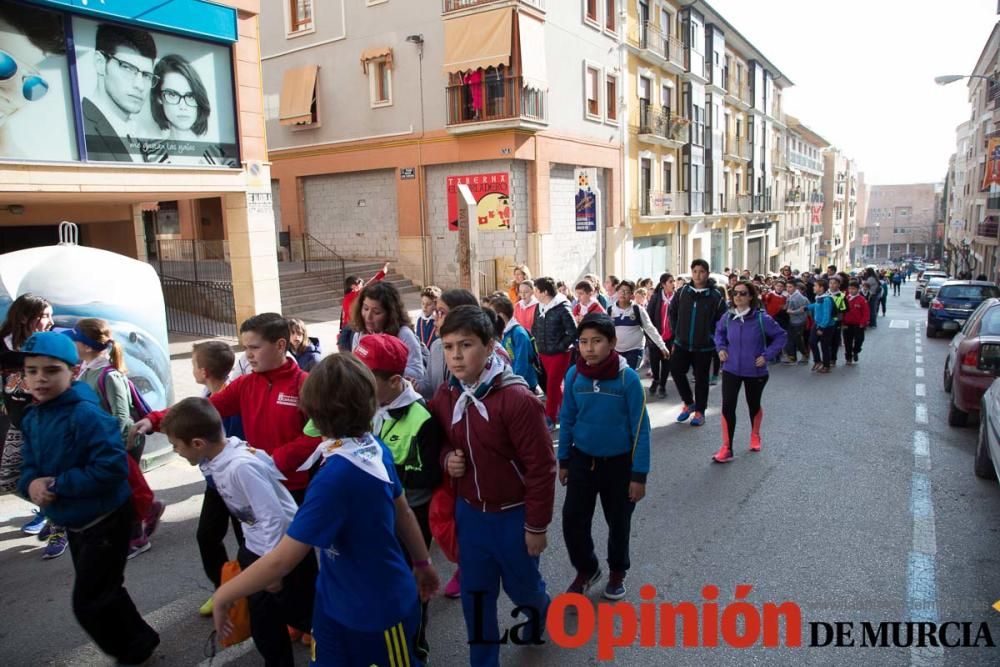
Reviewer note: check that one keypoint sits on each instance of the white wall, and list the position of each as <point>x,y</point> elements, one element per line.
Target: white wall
<point>566,253</point>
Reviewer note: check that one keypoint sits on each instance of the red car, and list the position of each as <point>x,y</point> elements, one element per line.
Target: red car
<point>973,362</point>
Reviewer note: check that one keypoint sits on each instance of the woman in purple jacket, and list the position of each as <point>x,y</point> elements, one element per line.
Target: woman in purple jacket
<point>746,338</point>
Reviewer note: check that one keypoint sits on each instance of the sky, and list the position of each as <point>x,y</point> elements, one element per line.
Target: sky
<point>864,74</point>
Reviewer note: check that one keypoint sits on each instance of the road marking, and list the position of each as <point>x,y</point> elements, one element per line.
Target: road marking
<point>920,359</point>
<point>921,579</point>
<point>920,371</point>
<point>919,350</point>
<point>899,324</point>
<point>921,446</point>
<point>921,413</point>
<point>227,655</point>
<point>921,389</point>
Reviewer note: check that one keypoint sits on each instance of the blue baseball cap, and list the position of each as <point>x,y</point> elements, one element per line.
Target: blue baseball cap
<point>50,344</point>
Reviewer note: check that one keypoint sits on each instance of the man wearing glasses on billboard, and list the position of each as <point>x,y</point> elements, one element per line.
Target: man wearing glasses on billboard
<point>123,58</point>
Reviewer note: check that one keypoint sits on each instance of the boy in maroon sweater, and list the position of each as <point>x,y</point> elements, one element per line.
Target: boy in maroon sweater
<point>855,320</point>
<point>499,455</point>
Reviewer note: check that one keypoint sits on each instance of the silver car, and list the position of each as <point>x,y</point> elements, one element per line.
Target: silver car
<point>987,461</point>
<point>925,277</point>
<point>931,290</point>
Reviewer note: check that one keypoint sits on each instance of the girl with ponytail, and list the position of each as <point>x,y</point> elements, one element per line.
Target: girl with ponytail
<point>102,367</point>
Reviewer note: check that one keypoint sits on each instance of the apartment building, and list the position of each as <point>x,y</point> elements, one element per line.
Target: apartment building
<point>972,232</point>
<point>864,196</point>
<point>377,110</point>
<point>700,143</point>
<point>840,213</point>
<point>901,221</point>
<point>800,156</point>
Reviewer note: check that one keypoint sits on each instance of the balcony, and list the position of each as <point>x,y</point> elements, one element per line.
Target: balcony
<point>662,204</point>
<point>653,46</point>
<point>816,198</point>
<point>736,148</point>
<point>799,160</point>
<point>502,103</point>
<point>989,228</point>
<point>993,201</point>
<point>795,198</point>
<point>736,204</point>
<point>778,159</point>
<point>761,203</point>
<point>661,127</point>
<point>459,5</point>
<point>738,93</point>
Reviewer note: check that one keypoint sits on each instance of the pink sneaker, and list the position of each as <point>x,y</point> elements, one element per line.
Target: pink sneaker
<point>453,588</point>
<point>754,442</point>
<point>724,455</point>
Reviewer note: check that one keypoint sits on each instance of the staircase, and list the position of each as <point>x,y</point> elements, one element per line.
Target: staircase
<point>316,295</point>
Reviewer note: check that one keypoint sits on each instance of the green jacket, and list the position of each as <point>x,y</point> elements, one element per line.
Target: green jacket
<point>115,400</point>
<point>414,439</point>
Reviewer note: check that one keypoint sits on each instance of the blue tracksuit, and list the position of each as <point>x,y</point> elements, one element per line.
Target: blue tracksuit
<point>521,350</point>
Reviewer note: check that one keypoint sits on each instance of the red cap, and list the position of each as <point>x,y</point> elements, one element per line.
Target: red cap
<point>382,352</point>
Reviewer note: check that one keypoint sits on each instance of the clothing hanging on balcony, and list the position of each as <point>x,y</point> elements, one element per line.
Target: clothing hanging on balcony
<point>474,83</point>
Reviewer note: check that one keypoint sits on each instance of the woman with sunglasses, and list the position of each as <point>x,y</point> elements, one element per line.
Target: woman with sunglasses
<point>746,337</point>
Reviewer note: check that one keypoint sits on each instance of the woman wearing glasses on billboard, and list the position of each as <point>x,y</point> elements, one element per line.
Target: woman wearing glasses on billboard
<point>180,106</point>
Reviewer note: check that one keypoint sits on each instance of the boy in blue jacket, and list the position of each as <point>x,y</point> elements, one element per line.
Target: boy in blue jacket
<point>75,469</point>
<point>821,338</point>
<point>603,452</point>
<point>516,341</point>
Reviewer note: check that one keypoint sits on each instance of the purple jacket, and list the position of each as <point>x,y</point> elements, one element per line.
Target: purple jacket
<point>744,340</point>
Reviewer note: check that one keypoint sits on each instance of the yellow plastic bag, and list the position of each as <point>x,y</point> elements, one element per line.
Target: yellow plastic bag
<point>239,613</point>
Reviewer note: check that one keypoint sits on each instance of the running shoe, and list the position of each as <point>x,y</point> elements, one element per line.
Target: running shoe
<point>206,609</point>
<point>152,520</point>
<point>697,419</point>
<point>138,546</point>
<point>685,413</point>
<point>788,361</point>
<point>724,455</point>
<point>714,380</point>
<point>662,393</point>
<point>754,442</point>
<point>56,545</point>
<point>46,531</point>
<point>823,369</point>
<point>849,362</point>
<point>652,393</point>
<point>582,583</point>
<point>553,426</point>
<point>453,588</point>
<point>35,526</point>
<point>803,361</point>
<point>615,590</point>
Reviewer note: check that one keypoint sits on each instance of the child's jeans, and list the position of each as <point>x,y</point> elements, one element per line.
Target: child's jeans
<point>591,477</point>
<point>271,613</point>
<point>491,549</point>
<point>101,604</point>
<point>854,338</point>
<point>796,341</point>
<point>821,342</point>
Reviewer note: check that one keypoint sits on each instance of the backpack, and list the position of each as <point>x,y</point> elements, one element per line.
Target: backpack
<point>760,322</point>
<point>138,407</point>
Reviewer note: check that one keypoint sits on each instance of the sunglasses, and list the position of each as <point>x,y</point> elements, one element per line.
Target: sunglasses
<point>740,292</point>
<point>33,87</point>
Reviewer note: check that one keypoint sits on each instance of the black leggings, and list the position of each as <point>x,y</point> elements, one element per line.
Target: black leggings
<point>659,365</point>
<point>213,524</point>
<point>753,389</point>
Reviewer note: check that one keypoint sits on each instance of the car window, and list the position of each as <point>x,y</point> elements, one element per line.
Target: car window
<point>990,325</point>
<point>936,282</point>
<point>968,292</point>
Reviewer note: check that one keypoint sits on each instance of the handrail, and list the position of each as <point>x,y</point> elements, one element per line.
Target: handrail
<point>306,238</point>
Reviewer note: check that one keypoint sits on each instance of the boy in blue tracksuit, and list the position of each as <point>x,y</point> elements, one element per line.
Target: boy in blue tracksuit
<point>75,468</point>
<point>603,451</point>
<point>516,341</point>
<point>821,338</point>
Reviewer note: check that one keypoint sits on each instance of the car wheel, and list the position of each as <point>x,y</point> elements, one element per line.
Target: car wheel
<point>931,331</point>
<point>955,416</point>
<point>982,464</point>
<point>947,378</point>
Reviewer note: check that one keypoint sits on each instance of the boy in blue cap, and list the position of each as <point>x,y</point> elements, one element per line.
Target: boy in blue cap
<point>75,468</point>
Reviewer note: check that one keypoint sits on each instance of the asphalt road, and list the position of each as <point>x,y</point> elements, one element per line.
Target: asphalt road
<point>856,510</point>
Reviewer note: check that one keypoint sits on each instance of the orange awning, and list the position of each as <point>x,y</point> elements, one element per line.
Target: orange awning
<point>477,40</point>
<point>298,92</point>
<point>369,55</point>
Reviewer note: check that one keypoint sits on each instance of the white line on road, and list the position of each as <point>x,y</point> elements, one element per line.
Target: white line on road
<point>921,413</point>
<point>899,324</point>
<point>921,389</point>
<point>228,655</point>
<point>920,359</point>
<point>920,371</point>
<point>919,350</point>
<point>921,580</point>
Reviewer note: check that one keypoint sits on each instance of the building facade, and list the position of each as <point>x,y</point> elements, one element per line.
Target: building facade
<point>701,145</point>
<point>142,124</point>
<point>972,230</point>
<point>901,221</point>
<point>840,214</point>
<point>801,156</point>
<point>377,111</point>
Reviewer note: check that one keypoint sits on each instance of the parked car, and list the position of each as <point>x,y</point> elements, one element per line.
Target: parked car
<point>973,362</point>
<point>987,457</point>
<point>930,290</point>
<point>925,276</point>
<point>954,302</point>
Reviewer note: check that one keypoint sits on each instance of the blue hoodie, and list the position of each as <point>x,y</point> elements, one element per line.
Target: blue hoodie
<point>310,355</point>
<point>606,418</point>
<point>73,439</point>
<point>746,338</point>
<point>521,351</point>
<point>822,310</point>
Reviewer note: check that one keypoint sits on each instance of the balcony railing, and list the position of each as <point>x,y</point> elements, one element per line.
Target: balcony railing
<point>656,203</point>
<point>648,37</point>
<point>738,147</point>
<point>800,160</point>
<point>737,204</point>
<point>993,202</point>
<point>661,122</point>
<point>779,159</point>
<point>989,228</point>
<point>795,197</point>
<point>494,100</point>
<point>457,5</point>
<point>762,202</point>
<point>740,90</point>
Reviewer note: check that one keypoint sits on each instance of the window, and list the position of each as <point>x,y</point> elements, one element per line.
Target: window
<point>300,18</point>
<point>380,82</point>
<point>590,10</point>
<point>593,92</point>
<point>668,176</point>
<point>611,99</point>
<point>610,15</point>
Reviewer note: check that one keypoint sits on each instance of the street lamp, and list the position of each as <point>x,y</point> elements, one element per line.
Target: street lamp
<point>945,79</point>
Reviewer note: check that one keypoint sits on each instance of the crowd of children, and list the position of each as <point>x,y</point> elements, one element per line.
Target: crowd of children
<point>328,469</point>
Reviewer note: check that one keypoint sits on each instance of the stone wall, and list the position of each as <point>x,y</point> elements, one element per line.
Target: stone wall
<point>355,214</point>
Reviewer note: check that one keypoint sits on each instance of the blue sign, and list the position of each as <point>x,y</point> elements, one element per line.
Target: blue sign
<point>586,211</point>
<point>195,18</point>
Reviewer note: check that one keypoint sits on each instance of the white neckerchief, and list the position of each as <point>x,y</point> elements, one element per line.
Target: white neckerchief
<point>99,362</point>
<point>408,397</point>
<point>494,367</point>
<point>740,314</point>
<point>364,453</point>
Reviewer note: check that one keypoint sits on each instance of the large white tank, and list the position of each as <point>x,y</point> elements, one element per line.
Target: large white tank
<point>86,282</point>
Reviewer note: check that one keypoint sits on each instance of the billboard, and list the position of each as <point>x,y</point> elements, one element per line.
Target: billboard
<point>586,199</point>
<point>142,97</point>
<point>492,193</point>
